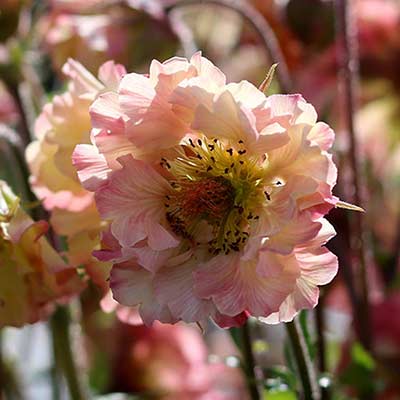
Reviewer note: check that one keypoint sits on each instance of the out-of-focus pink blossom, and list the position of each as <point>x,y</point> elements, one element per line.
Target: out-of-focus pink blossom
<point>33,277</point>
<point>170,362</point>
<point>215,195</point>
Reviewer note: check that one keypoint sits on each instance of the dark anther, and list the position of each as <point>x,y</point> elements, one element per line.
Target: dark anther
<point>232,165</point>
<point>230,151</point>
<point>191,142</point>
<point>199,142</point>
<point>226,170</point>
<point>241,162</point>
<point>211,147</point>
<point>212,159</point>
<point>241,152</point>
<point>267,195</point>
<point>240,210</point>
<point>241,141</point>
<point>209,168</point>
<point>199,156</point>
<point>215,140</point>
<point>256,217</point>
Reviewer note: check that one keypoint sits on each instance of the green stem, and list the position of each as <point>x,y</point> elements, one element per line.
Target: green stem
<point>305,367</point>
<point>59,323</point>
<point>10,384</point>
<point>249,362</point>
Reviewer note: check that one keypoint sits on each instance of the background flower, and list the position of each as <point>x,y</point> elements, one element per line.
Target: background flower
<point>33,276</point>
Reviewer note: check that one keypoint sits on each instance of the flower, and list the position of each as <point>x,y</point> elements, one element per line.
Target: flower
<point>214,195</point>
<point>32,275</point>
<point>170,362</point>
<point>62,124</point>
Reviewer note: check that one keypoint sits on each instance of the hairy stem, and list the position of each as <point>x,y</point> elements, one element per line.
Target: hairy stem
<point>305,367</point>
<point>347,57</point>
<point>249,362</point>
<point>60,323</point>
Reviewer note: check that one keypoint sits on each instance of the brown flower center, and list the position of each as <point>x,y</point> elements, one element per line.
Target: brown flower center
<point>208,199</point>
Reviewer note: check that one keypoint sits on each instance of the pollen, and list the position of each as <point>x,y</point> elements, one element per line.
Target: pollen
<point>219,184</point>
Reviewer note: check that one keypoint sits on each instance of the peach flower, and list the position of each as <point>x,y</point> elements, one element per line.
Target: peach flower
<point>63,124</point>
<point>32,275</point>
<point>214,195</point>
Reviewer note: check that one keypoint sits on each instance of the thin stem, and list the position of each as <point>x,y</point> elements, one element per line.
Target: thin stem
<point>305,367</point>
<point>183,32</point>
<point>60,323</point>
<point>265,32</point>
<point>24,124</point>
<point>321,344</point>
<point>347,56</point>
<point>249,362</point>
<point>320,327</point>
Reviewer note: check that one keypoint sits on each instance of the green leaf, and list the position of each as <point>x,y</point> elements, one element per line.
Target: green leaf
<point>361,357</point>
<point>279,395</point>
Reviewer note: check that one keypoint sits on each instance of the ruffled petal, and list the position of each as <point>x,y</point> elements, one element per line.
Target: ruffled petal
<point>132,285</point>
<point>174,286</point>
<point>235,286</point>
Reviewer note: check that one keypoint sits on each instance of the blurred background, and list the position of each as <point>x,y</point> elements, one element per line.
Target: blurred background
<point>355,343</point>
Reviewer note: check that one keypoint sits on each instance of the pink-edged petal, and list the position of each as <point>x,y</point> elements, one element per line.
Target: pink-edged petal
<point>227,120</point>
<point>326,233</point>
<point>84,82</point>
<point>234,286</point>
<point>300,157</point>
<point>133,199</point>
<point>174,286</point>
<point>149,258</point>
<point>91,166</point>
<point>131,286</point>
<point>246,94</point>
<point>129,230</point>
<point>292,105</point>
<point>166,76</point>
<point>271,137</point>
<point>318,267</point>
<point>106,114</point>
<point>111,74</point>
<point>298,231</point>
<point>152,124</point>
<point>191,93</point>
<point>207,69</point>
<point>322,134</point>
<point>271,264</point>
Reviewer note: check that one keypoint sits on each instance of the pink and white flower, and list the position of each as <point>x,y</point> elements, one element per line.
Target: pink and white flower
<point>215,195</point>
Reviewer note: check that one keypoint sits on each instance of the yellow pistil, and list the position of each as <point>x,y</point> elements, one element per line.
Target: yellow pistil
<point>218,184</point>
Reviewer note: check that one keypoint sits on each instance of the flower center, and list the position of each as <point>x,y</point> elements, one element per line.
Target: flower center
<point>217,184</point>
